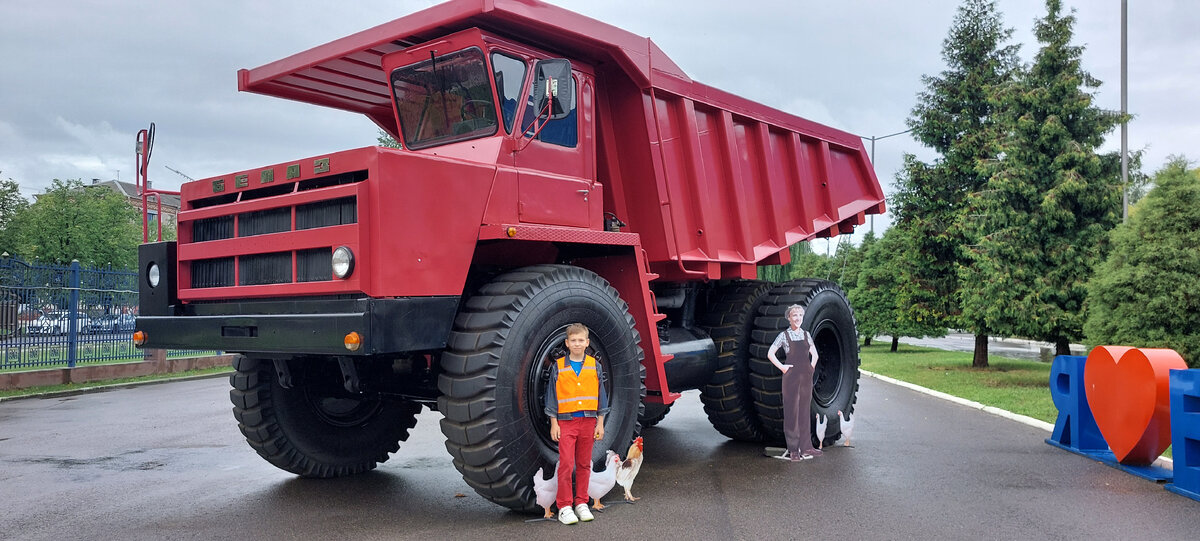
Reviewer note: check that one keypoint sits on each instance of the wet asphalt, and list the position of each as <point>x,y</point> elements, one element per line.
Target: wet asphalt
<point>166,461</point>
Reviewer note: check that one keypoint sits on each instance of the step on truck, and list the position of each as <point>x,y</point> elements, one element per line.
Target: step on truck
<point>551,169</point>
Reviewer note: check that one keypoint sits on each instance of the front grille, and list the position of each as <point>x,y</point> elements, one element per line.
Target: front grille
<point>314,265</point>
<point>258,269</point>
<point>261,222</point>
<point>326,213</point>
<point>220,227</point>
<point>212,272</point>
<point>310,265</point>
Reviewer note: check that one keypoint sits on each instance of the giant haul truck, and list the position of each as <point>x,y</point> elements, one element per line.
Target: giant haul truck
<point>553,169</point>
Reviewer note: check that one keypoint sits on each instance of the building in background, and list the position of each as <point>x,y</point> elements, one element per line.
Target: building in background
<point>170,203</point>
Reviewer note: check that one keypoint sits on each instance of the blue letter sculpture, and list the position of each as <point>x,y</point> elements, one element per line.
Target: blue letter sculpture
<point>1185,432</point>
<point>1075,429</point>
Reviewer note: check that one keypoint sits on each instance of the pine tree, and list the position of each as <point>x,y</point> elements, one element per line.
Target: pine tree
<point>804,264</point>
<point>953,117</point>
<point>1145,292</point>
<point>1050,201</point>
<point>847,262</point>
<point>855,264</point>
<point>878,305</point>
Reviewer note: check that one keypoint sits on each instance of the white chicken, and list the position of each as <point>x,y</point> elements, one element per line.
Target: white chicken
<point>602,482</point>
<point>546,490</point>
<point>847,426</point>
<point>630,467</point>
<point>822,422</point>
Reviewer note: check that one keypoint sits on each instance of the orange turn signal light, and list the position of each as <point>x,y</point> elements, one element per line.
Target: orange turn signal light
<point>353,341</point>
<point>139,338</point>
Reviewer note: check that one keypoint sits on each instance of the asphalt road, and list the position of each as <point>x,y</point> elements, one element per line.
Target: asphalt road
<point>166,461</point>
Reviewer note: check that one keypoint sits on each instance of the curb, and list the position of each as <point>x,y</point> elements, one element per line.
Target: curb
<point>110,387</point>
<point>1023,419</point>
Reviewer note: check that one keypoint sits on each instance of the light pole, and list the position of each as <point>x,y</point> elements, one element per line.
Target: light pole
<point>873,139</point>
<point>1124,110</point>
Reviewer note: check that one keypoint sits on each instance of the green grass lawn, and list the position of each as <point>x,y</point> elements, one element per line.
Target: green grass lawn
<point>1018,386</point>
<point>1009,384</point>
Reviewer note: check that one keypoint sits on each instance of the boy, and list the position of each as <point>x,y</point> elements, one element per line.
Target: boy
<point>576,404</point>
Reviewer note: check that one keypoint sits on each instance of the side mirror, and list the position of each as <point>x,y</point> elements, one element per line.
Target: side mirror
<point>553,87</point>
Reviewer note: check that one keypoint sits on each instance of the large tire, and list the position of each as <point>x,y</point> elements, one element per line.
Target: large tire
<point>315,428</point>
<point>653,413</point>
<point>496,368</point>
<point>727,397</point>
<point>830,320</point>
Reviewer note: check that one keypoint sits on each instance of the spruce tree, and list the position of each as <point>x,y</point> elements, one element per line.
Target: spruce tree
<point>1145,292</point>
<point>953,117</point>
<point>878,305</point>
<point>1050,201</point>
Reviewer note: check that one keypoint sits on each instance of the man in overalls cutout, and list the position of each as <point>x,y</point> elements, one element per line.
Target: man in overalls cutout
<point>801,354</point>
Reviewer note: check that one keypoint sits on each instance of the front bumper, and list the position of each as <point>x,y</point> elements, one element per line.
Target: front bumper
<point>316,326</point>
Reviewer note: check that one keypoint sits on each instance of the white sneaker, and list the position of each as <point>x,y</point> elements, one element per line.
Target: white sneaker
<point>567,516</point>
<point>584,513</point>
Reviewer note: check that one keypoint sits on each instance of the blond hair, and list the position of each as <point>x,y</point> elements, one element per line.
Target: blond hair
<point>577,328</point>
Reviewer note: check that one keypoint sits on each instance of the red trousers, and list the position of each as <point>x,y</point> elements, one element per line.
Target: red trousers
<point>575,456</point>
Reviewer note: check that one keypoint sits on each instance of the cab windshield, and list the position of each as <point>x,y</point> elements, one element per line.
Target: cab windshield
<point>445,99</point>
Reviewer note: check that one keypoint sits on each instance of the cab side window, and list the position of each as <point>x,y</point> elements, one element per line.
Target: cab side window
<point>562,132</point>
<point>509,73</point>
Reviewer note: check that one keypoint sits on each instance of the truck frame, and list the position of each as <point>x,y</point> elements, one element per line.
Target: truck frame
<point>553,169</point>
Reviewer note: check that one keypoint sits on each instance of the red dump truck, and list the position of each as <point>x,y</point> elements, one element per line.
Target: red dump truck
<point>554,169</point>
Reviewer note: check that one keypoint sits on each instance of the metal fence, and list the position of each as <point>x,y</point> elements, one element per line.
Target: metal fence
<point>66,316</point>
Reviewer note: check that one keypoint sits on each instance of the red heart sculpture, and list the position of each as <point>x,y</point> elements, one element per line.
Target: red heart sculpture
<point>1128,390</point>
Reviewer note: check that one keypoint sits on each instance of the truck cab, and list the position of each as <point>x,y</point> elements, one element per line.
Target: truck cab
<point>476,96</point>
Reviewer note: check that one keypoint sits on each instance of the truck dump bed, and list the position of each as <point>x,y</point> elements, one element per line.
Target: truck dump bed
<point>715,184</point>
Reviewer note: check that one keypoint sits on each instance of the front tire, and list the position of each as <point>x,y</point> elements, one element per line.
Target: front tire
<point>653,414</point>
<point>830,320</point>
<point>496,368</point>
<point>314,428</point>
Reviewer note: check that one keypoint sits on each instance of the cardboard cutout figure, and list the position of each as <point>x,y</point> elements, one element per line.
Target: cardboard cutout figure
<point>801,353</point>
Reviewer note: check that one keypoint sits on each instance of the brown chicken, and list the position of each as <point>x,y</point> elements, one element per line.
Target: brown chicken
<point>629,468</point>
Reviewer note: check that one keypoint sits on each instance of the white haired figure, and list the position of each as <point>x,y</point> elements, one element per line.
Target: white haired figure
<point>801,361</point>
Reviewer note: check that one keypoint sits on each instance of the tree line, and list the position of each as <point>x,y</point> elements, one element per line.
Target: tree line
<point>70,221</point>
<point>1015,228</point>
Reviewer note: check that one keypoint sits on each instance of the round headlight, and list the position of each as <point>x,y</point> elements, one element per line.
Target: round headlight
<point>153,275</point>
<point>343,262</point>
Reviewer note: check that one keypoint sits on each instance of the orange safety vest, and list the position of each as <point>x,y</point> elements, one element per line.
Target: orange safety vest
<point>578,393</point>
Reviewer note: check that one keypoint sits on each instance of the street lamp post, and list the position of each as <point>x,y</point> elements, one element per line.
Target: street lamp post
<point>1124,110</point>
<point>873,139</point>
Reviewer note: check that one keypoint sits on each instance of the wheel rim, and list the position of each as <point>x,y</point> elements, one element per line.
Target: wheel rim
<point>537,379</point>
<point>828,377</point>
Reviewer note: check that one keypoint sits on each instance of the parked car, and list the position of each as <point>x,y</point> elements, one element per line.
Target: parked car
<point>112,323</point>
<point>56,323</point>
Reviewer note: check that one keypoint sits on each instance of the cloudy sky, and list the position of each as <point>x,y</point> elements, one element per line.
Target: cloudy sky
<point>81,77</point>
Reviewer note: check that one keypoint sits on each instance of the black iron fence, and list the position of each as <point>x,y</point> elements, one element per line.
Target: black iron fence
<point>65,316</point>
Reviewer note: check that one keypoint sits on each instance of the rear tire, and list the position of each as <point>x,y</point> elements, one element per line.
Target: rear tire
<point>830,320</point>
<point>315,429</point>
<point>727,397</point>
<point>496,368</point>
